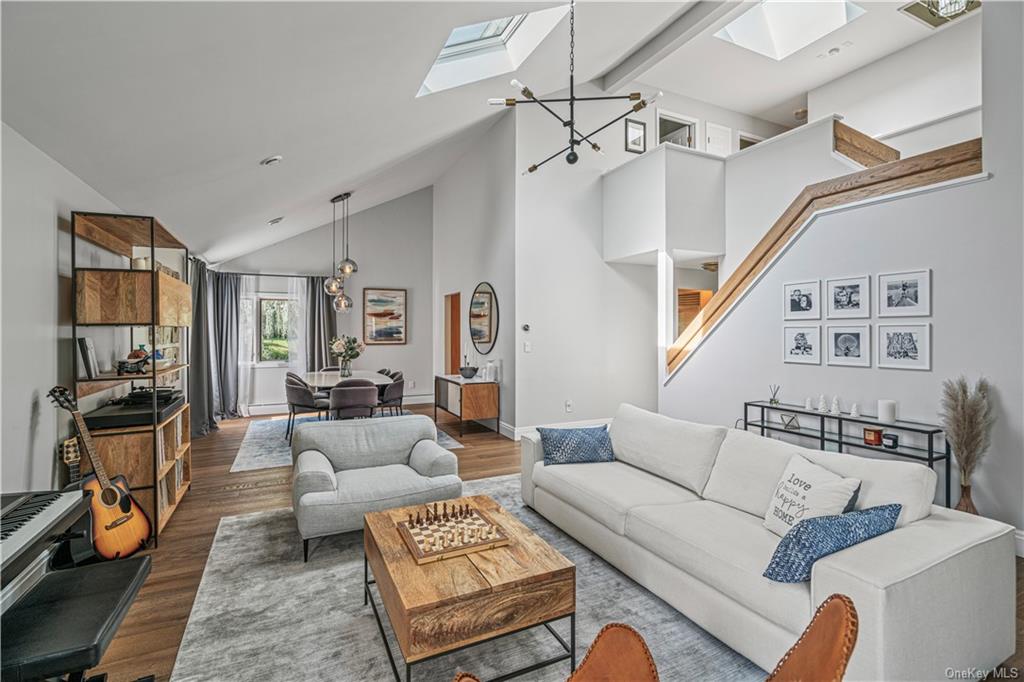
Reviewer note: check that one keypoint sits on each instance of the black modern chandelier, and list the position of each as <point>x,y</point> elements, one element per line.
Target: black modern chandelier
<point>334,285</point>
<point>576,138</point>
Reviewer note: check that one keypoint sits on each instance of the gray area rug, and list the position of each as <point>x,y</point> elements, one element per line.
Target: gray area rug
<point>265,445</point>
<point>262,614</point>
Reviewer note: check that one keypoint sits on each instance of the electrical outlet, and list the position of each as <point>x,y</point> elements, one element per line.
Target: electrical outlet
<point>568,406</point>
<point>527,347</point>
<point>412,383</point>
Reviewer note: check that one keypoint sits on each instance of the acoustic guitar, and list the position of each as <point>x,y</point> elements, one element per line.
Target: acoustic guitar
<point>119,527</point>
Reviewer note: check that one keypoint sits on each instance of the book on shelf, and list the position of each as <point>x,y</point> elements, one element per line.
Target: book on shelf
<point>87,349</point>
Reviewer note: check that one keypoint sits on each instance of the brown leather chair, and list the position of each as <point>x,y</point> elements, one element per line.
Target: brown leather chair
<point>353,402</point>
<point>824,649</point>
<point>820,655</point>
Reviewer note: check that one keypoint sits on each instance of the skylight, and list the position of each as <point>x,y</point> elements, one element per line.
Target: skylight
<point>488,48</point>
<point>778,28</point>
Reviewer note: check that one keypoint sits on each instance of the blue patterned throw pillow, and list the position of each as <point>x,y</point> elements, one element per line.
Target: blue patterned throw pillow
<point>814,538</point>
<point>576,446</point>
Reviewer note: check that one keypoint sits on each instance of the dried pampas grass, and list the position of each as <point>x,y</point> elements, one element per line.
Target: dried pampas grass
<point>967,419</point>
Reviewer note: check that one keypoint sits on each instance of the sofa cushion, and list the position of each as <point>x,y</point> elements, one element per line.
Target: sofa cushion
<point>678,450</point>
<point>606,491</point>
<point>358,443</point>
<point>576,446</point>
<point>807,490</point>
<point>749,466</point>
<point>365,490</point>
<point>725,548</point>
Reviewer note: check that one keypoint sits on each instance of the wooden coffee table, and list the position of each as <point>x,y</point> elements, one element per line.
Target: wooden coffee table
<point>441,607</point>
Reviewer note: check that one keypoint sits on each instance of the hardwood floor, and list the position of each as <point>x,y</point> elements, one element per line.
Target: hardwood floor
<point>147,642</point>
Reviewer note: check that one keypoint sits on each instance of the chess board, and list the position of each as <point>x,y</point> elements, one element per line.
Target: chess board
<point>438,537</point>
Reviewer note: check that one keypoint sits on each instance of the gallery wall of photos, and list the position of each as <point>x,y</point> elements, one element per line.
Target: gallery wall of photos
<point>848,305</point>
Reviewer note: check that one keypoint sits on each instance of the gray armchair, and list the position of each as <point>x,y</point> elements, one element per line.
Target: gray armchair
<point>345,469</point>
<point>301,400</point>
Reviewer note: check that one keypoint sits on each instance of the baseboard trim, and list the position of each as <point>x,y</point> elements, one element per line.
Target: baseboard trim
<point>520,430</point>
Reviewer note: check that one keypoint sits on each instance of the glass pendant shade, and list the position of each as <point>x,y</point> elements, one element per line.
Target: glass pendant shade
<point>342,303</point>
<point>947,8</point>
<point>334,285</point>
<point>348,267</point>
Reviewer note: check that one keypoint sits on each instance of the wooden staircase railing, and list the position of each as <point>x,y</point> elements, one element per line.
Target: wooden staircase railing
<point>865,150</point>
<point>956,161</point>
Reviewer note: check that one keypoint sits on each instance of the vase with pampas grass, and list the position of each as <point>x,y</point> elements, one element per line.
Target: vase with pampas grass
<point>967,419</point>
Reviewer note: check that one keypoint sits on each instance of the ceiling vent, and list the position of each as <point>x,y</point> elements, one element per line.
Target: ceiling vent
<point>922,10</point>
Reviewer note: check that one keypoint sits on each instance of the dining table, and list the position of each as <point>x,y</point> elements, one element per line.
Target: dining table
<point>324,380</point>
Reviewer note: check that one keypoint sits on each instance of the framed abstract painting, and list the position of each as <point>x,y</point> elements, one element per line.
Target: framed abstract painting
<point>384,317</point>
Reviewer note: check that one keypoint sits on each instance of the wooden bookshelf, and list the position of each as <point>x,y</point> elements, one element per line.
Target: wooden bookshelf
<point>155,458</point>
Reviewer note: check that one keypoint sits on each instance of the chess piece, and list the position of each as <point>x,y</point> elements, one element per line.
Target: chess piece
<point>835,406</point>
<point>410,519</point>
<point>855,410</point>
<point>419,521</point>
<point>821,403</point>
<point>435,504</point>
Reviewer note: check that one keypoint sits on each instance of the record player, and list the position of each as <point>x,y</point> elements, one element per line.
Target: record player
<point>135,409</point>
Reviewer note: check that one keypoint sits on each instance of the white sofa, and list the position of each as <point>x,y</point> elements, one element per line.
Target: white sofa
<point>681,510</point>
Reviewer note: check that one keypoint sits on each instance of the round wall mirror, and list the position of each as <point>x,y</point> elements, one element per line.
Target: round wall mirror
<point>483,318</point>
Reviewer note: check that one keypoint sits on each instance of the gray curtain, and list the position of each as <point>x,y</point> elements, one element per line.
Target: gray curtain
<point>319,324</point>
<point>201,360</point>
<point>225,294</point>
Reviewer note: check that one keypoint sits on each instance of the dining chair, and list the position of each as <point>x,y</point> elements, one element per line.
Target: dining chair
<point>331,368</point>
<point>316,394</point>
<point>397,375</point>
<point>301,400</point>
<point>353,402</point>
<point>352,383</point>
<point>391,399</point>
<point>385,371</point>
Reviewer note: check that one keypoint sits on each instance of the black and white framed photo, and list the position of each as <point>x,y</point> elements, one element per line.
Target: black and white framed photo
<point>801,344</point>
<point>802,300</point>
<point>905,346</point>
<point>636,136</point>
<point>848,297</point>
<point>905,294</point>
<point>848,346</point>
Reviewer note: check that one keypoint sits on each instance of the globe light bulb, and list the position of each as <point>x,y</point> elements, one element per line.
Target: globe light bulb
<point>334,286</point>
<point>572,157</point>
<point>348,267</point>
<point>342,303</point>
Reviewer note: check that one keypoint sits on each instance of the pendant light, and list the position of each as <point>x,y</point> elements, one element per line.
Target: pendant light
<point>334,284</point>
<point>576,138</point>
<point>347,267</point>
<point>342,303</point>
<point>947,9</point>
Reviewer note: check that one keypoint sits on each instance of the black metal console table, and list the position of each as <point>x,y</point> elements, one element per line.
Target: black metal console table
<point>931,433</point>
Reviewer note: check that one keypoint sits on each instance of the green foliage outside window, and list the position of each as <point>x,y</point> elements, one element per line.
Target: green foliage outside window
<point>273,329</point>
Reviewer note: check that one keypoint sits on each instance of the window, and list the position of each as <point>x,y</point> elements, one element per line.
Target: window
<point>778,28</point>
<point>486,34</point>
<point>273,330</point>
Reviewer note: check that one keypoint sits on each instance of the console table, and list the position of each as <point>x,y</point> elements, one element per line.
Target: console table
<point>468,399</point>
<point>826,428</point>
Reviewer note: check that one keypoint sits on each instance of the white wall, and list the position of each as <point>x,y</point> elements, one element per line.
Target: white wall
<point>931,80</point>
<point>971,237</point>
<point>475,241</point>
<point>762,181</point>
<point>38,197</point>
<point>391,243</point>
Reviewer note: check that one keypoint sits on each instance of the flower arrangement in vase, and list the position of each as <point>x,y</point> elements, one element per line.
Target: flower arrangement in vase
<point>346,349</point>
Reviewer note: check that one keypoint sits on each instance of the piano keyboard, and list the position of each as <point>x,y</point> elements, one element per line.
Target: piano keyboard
<point>22,513</point>
<point>29,522</point>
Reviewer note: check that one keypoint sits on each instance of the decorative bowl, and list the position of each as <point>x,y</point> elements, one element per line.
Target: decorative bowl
<point>467,372</point>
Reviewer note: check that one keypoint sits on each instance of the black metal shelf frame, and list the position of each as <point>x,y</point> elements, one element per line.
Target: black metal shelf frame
<point>929,455</point>
<point>153,375</point>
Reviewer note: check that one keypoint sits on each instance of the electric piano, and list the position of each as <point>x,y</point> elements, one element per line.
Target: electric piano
<point>58,623</point>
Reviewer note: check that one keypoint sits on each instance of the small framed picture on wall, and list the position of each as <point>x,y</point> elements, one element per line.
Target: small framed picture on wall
<point>802,300</point>
<point>636,136</point>
<point>801,344</point>
<point>905,294</point>
<point>905,346</point>
<point>848,346</point>
<point>848,297</point>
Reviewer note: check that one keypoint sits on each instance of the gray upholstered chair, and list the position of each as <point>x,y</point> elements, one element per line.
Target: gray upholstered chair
<point>331,368</point>
<point>346,469</point>
<point>392,397</point>
<point>301,400</point>
<point>353,402</point>
<point>353,383</point>
<point>299,380</point>
<point>397,375</point>
<point>385,371</point>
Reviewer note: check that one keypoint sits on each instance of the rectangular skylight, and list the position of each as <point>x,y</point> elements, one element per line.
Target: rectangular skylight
<point>482,36</point>
<point>778,28</point>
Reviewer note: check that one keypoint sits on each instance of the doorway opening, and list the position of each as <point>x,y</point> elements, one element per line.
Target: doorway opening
<point>689,303</point>
<point>452,332</point>
<point>677,129</point>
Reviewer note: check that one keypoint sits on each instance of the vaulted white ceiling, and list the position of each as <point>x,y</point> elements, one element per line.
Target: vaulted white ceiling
<point>167,108</point>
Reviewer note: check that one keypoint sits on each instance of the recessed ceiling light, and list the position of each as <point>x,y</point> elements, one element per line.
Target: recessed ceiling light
<point>271,160</point>
<point>275,221</point>
<point>833,52</point>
